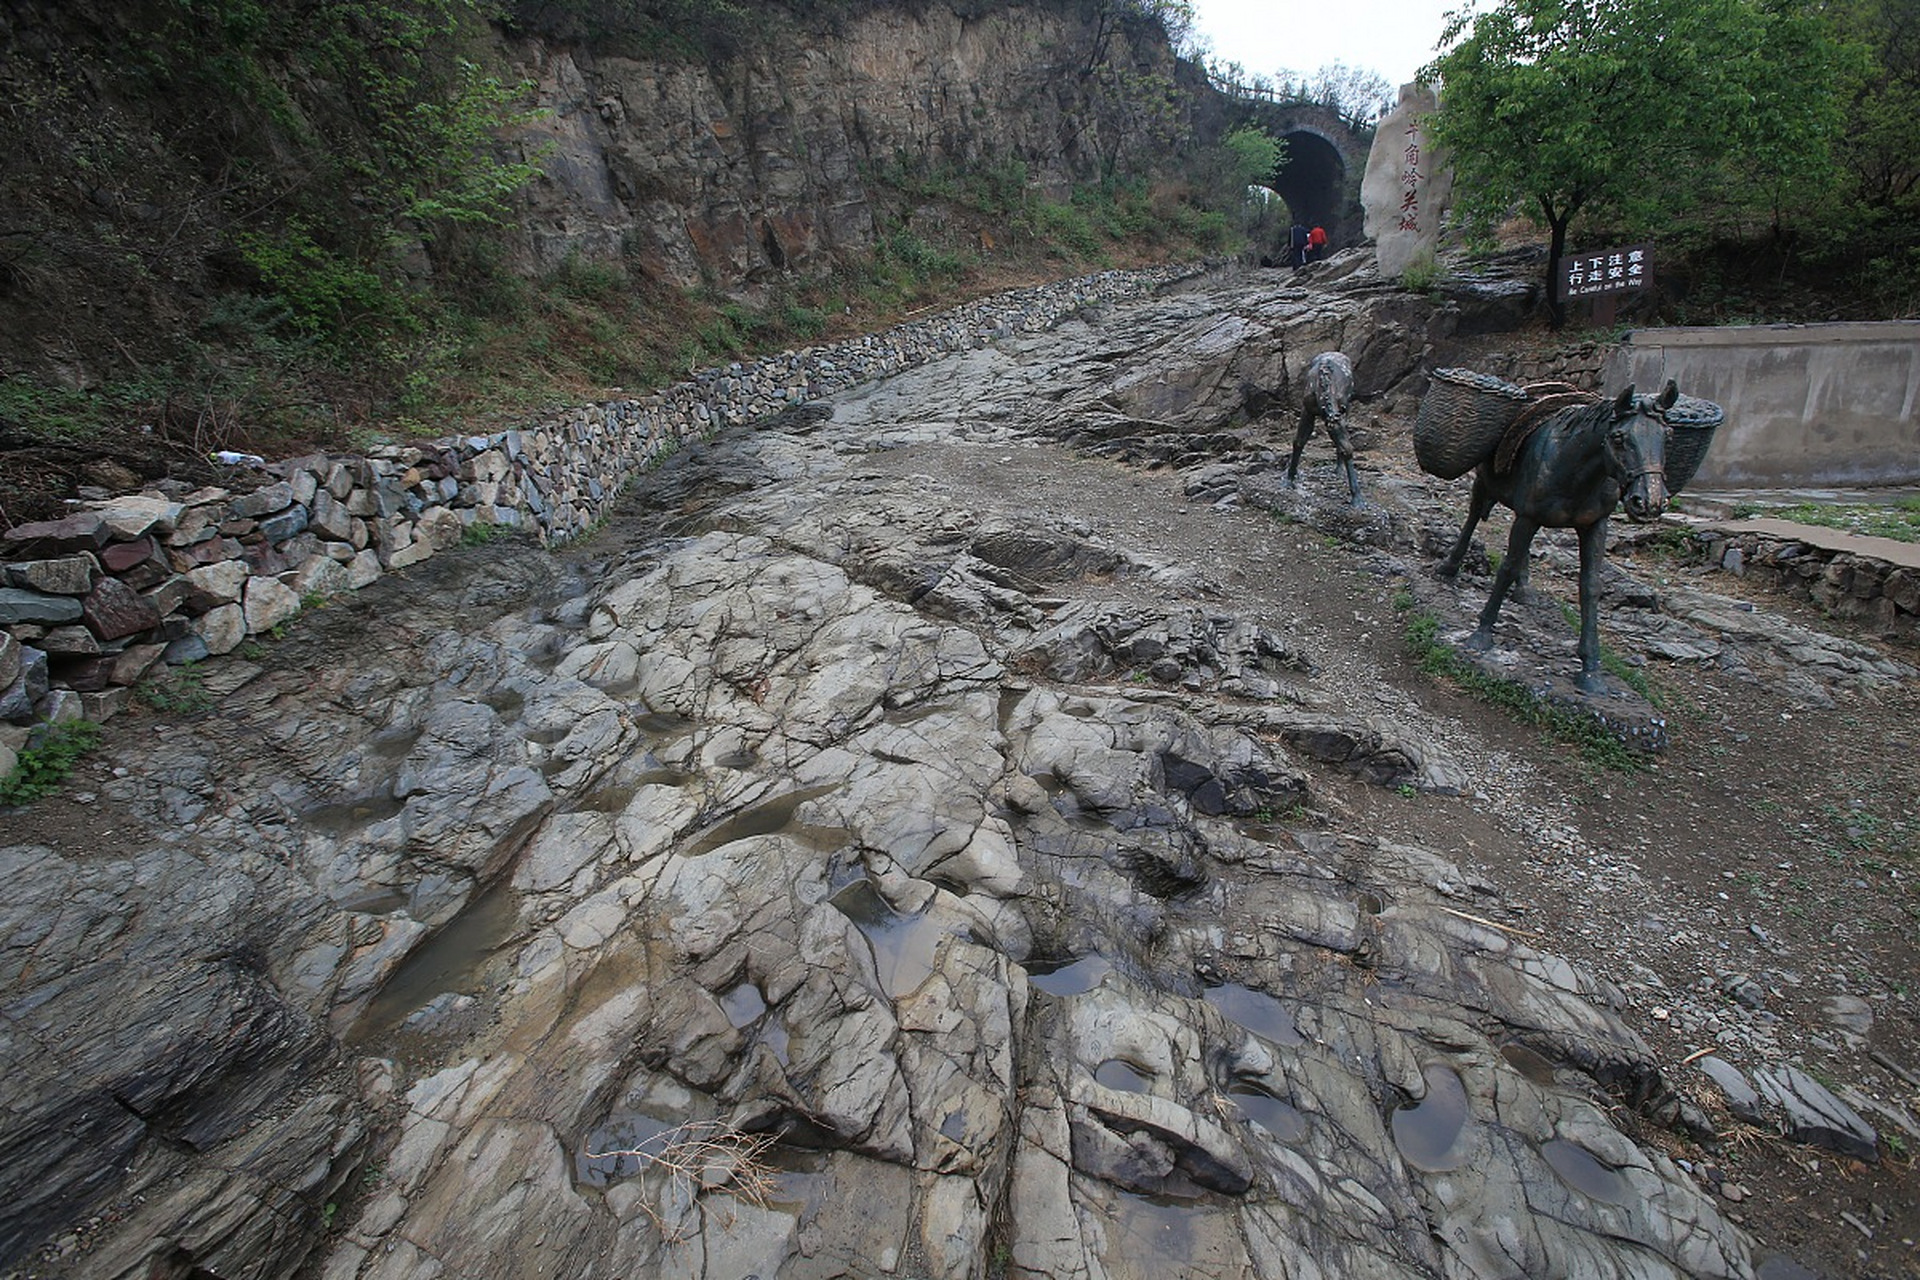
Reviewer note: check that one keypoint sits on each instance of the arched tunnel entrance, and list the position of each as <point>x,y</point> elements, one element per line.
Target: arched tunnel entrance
<point>1312,179</point>
<point>1319,179</point>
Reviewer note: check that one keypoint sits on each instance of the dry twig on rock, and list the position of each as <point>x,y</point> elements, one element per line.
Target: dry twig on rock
<point>699,1157</point>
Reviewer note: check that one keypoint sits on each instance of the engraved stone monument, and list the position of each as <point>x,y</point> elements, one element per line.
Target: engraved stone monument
<point>1407,186</point>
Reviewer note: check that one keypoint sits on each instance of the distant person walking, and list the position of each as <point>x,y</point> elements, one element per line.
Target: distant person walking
<point>1297,245</point>
<point>1316,243</point>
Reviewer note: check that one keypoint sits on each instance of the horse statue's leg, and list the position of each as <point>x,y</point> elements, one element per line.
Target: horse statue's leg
<point>1300,439</point>
<point>1519,546</point>
<point>1593,551</point>
<point>1337,428</point>
<point>1477,508</point>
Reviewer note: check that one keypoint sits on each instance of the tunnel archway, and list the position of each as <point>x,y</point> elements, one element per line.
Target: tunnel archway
<point>1319,180</point>
<point>1312,179</point>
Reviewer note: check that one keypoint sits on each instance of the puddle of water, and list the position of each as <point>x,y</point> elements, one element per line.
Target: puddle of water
<point>799,1180</point>
<point>602,1160</point>
<point>736,760</point>
<point>454,959</point>
<point>374,900</point>
<point>351,815</point>
<point>1070,978</point>
<point>616,795</point>
<point>772,817</point>
<point>773,1034</point>
<point>1009,702</point>
<point>1277,1117</point>
<point>1585,1173</point>
<point>1263,833</point>
<point>743,1005</point>
<point>506,703</point>
<point>1532,1065</point>
<point>614,799</point>
<point>1154,1235</point>
<point>902,945</point>
<point>1257,1011</point>
<point>394,744</point>
<point>1428,1131</point>
<point>1116,1073</point>
<point>660,724</point>
<point>1781,1267</point>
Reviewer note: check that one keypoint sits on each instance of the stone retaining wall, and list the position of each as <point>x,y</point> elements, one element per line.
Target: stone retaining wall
<point>93,602</point>
<point>1584,364</point>
<point>1874,594</point>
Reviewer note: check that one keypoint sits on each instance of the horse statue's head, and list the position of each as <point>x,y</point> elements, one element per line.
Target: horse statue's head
<point>1637,450</point>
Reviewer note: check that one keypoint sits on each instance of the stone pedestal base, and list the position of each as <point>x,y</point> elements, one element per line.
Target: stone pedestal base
<point>1624,713</point>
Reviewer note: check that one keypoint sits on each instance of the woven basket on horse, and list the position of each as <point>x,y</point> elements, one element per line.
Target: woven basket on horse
<point>1693,421</point>
<point>1461,419</point>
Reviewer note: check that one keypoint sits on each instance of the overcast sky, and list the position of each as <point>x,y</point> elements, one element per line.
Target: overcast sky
<point>1393,38</point>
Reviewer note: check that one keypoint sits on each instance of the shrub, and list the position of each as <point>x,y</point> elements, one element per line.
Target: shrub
<point>43,766</point>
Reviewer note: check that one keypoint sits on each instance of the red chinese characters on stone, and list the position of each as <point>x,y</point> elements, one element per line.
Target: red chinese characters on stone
<point>1410,180</point>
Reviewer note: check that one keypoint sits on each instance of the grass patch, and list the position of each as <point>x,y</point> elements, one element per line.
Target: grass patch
<point>1676,546</point>
<point>180,690</point>
<point>1868,833</point>
<point>1899,521</point>
<point>1596,743</point>
<point>43,766</point>
<point>480,535</point>
<point>1616,666</point>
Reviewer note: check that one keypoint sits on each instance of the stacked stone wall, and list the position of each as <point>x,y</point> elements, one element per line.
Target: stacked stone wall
<point>1583,364</point>
<point>1871,593</point>
<point>92,603</point>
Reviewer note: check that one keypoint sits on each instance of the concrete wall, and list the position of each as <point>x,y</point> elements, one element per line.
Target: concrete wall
<point>1814,405</point>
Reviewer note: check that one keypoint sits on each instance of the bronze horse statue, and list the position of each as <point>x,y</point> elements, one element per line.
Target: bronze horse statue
<point>1568,469</point>
<point>1329,395</point>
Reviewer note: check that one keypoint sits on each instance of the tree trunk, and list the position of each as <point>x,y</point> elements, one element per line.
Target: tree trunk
<point>1557,248</point>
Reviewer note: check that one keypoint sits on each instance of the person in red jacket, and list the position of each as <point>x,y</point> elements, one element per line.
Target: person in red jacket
<point>1316,243</point>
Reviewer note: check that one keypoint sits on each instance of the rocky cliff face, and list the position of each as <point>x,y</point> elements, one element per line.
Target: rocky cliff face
<point>143,190</point>
<point>733,172</point>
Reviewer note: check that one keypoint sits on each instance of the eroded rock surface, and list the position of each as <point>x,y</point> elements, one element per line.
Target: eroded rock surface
<point>866,788</point>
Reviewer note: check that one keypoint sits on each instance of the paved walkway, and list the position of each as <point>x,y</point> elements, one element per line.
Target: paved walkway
<point>1893,551</point>
<point>1715,506</point>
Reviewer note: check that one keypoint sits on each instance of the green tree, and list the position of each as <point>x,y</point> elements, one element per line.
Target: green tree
<point>1142,112</point>
<point>1357,95</point>
<point>1871,236</point>
<point>1633,111</point>
<point>1878,148</point>
<point>1253,154</point>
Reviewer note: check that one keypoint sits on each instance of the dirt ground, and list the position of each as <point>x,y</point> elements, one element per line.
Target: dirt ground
<point>1772,842</point>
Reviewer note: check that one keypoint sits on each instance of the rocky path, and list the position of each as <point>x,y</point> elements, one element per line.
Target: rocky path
<point>980,826</point>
